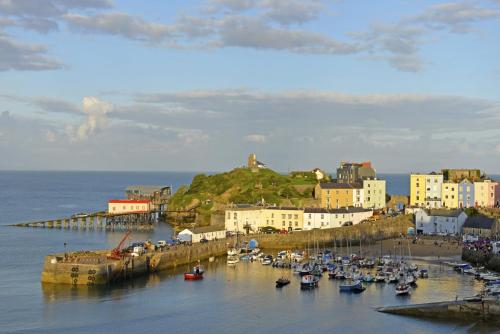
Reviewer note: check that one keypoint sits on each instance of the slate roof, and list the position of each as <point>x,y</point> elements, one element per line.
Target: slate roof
<point>334,185</point>
<point>479,221</point>
<point>444,213</point>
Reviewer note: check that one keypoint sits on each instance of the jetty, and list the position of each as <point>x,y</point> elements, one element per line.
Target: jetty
<point>486,309</point>
<point>92,268</point>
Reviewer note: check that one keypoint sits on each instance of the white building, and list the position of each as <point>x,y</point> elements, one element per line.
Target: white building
<point>439,221</point>
<point>207,232</point>
<point>433,185</point>
<point>329,218</point>
<point>358,197</point>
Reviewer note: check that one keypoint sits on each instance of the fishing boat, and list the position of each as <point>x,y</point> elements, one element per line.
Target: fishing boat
<point>195,275</point>
<point>402,289</point>
<point>352,286</point>
<point>233,252</point>
<point>281,282</point>
<point>309,281</point>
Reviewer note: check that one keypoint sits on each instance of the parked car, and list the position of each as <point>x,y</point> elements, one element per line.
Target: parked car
<point>268,230</point>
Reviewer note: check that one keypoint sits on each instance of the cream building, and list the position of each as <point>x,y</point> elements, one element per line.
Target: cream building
<point>329,218</point>
<point>358,197</point>
<point>255,218</point>
<point>449,195</point>
<point>374,194</point>
<point>122,206</point>
<point>426,190</point>
<point>484,193</point>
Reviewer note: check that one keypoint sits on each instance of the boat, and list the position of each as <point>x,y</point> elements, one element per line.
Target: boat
<point>368,278</point>
<point>309,281</point>
<point>413,267</point>
<point>195,275</point>
<point>267,260</point>
<point>423,273</point>
<point>353,286</point>
<point>380,277</point>
<point>410,280</point>
<point>232,260</point>
<point>281,282</point>
<point>402,289</point>
<point>392,278</point>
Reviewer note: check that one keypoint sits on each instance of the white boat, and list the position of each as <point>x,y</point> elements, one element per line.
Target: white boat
<point>402,289</point>
<point>410,280</point>
<point>232,260</point>
<point>309,281</point>
<point>380,277</point>
<point>392,278</point>
<point>266,260</point>
<point>368,278</point>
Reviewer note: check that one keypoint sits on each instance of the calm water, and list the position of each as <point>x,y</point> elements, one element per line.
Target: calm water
<point>227,301</point>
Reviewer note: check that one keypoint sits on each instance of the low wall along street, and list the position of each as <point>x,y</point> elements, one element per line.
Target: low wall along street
<point>383,229</point>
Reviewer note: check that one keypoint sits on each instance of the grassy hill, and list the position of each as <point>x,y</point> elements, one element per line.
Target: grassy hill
<point>209,194</point>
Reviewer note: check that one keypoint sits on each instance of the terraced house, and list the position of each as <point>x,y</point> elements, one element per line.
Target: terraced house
<point>465,194</point>
<point>329,218</point>
<point>251,219</point>
<point>426,190</point>
<point>449,195</point>
<point>484,193</point>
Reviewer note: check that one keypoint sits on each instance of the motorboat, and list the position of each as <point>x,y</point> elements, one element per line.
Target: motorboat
<point>232,260</point>
<point>309,281</point>
<point>233,252</point>
<point>195,275</point>
<point>410,280</point>
<point>402,289</point>
<point>281,282</point>
<point>368,278</point>
<point>352,286</point>
<point>267,260</point>
<point>380,277</point>
<point>423,273</point>
<point>392,279</point>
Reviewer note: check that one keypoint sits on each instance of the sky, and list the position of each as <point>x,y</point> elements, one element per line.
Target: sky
<point>411,85</point>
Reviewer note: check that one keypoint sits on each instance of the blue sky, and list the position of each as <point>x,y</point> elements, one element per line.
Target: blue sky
<point>190,85</point>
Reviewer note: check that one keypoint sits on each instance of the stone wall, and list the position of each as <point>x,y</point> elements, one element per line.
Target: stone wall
<point>382,229</point>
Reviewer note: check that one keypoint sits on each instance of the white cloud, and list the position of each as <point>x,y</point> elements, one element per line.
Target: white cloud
<point>255,138</point>
<point>96,119</point>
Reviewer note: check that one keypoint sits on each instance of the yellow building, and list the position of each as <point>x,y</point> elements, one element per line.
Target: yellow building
<point>335,195</point>
<point>417,189</point>
<point>252,219</point>
<point>374,193</point>
<point>449,195</point>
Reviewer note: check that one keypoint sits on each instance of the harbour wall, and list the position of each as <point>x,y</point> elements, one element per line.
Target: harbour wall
<point>382,229</point>
<point>451,310</point>
<point>94,268</point>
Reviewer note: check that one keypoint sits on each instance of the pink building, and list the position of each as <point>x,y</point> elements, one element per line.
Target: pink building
<point>497,195</point>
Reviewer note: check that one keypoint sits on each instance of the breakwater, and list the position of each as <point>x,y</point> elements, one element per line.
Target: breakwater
<point>450,310</point>
<point>382,229</point>
<point>95,268</point>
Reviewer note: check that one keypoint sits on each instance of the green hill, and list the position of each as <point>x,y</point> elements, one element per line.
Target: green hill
<point>209,194</point>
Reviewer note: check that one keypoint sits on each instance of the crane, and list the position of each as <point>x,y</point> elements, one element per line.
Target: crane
<point>116,253</point>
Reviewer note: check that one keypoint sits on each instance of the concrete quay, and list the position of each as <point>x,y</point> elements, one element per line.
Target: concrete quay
<point>95,268</point>
<point>449,310</point>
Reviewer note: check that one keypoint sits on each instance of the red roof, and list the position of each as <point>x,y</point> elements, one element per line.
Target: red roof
<point>129,201</point>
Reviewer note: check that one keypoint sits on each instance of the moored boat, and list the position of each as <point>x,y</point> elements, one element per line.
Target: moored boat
<point>309,281</point>
<point>281,282</point>
<point>353,286</point>
<point>423,273</point>
<point>402,289</point>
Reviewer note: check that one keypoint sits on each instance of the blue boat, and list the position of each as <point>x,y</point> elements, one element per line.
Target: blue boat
<point>355,287</point>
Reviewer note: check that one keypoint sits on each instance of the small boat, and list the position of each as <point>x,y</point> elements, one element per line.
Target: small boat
<point>232,260</point>
<point>195,275</point>
<point>475,298</point>
<point>354,286</point>
<point>423,273</point>
<point>309,281</point>
<point>380,277</point>
<point>413,267</point>
<point>402,289</point>
<point>410,280</point>
<point>281,282</point>
<point>233,252</point>
<point>368,278</point>
<point>392,279</point>
<point>267,260</point>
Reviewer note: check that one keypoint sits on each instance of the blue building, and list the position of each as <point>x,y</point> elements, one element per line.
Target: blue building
<point>465,194</point>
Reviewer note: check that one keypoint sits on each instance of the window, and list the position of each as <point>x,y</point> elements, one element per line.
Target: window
<point>290,216</point>
<point>309,223</point>
<point>283,216</point>
<point>295,216</point>
<point>296,224</point>
<point>272,215</point>
<point>284,224</point>
<point>322,216</point>
<point>309,216</point>
<point>235,215</point>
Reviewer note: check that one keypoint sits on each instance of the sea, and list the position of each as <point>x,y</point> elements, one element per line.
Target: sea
<point>242,299</point>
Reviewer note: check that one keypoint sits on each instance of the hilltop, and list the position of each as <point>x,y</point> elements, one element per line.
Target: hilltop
<point>210,194</point>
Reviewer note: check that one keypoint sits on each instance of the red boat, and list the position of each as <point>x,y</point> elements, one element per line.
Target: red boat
<point>195,275</point>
